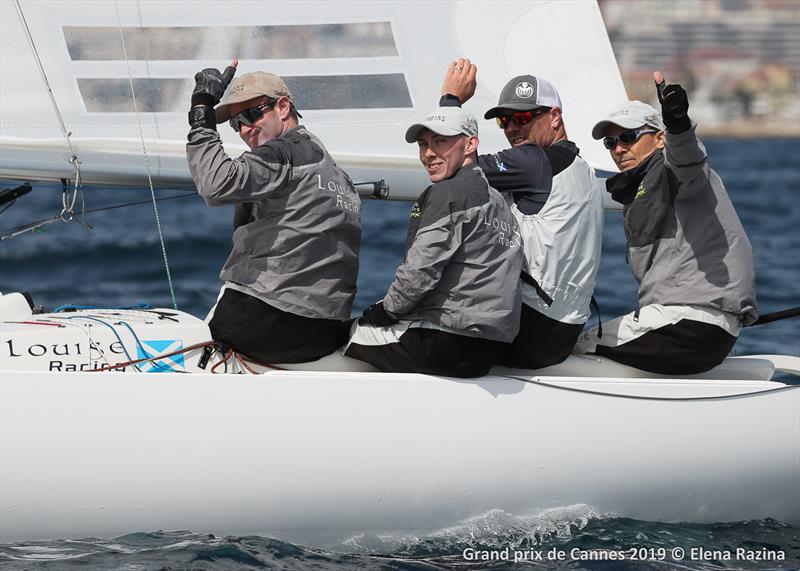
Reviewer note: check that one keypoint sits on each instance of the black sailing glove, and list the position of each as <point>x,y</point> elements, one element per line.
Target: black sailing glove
<point>375,314</point>
<point>209,85</point>
<point>674,107</point>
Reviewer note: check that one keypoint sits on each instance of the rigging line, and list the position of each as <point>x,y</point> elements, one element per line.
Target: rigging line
<point>140,202</point>
<point>135,337</point>
<point>68,210</point>
<point>780,388</point>
<point>184,350</point>
<point>73,155</point>
<point>44,77</point>
<point>85,331</point>
<point>113,330</point>
<point>33,226</point>
<point>7,206</point>
<point>146,160</point>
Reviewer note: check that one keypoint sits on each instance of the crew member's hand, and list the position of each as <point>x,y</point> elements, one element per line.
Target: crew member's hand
<point>375,314</point>
<point>674,105</point>
<point>459,80</point>
<point>210,84</point>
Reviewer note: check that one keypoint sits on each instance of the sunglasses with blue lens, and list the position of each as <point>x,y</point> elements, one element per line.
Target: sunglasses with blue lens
<point>626,137</point>
<point>250,116</point>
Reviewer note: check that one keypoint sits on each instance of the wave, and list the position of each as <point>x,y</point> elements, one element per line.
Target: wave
<point>568,530</point>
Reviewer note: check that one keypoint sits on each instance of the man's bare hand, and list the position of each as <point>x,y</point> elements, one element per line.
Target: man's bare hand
<point>460,79</point>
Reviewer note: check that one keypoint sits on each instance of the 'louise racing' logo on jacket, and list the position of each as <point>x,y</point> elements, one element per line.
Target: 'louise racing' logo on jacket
<point>345,198</point>
<point>507,233</point>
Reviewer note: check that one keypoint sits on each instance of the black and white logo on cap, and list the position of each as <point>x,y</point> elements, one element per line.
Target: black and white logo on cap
<point>524,90</point>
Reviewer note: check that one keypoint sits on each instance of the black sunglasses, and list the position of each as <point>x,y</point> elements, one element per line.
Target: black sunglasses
<point>626,137</point>
<point>250,116</point>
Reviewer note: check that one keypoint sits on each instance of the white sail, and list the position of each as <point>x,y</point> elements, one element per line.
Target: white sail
<point>361,71</point>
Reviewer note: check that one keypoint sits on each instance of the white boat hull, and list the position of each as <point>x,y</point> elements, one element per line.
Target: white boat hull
<point>338,449</point>
<point>290,453</point>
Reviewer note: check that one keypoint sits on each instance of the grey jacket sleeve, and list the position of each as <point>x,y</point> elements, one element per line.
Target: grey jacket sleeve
<point>437,239</point>
<point>686,157</point>
<point>221,179</point>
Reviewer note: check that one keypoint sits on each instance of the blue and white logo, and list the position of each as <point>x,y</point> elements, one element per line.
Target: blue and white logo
<point>501,167</point>
<point>153,348</point>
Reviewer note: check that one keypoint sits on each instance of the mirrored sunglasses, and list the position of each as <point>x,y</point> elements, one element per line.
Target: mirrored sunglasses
<point>626,137</point>
<point>250,116</point>
<point>520,117</point>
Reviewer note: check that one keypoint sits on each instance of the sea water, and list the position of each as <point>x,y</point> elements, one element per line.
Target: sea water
<point>119,262</point>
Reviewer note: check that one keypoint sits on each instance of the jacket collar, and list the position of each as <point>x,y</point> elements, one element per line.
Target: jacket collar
<point>623,186</point>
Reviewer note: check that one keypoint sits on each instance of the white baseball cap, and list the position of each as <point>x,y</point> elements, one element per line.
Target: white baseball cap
<point>447,121</point>
<point>630,115</point>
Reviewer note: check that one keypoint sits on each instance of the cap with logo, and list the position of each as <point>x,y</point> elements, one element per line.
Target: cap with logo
<point>251,86</point>
<point>630,115</point>
<point>447,121</point>
<point>524,93</point>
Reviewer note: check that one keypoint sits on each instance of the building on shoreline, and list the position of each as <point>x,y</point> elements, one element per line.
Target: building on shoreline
<point>740,59</point>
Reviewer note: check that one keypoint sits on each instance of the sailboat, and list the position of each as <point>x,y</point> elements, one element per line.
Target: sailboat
<point>95,438</point>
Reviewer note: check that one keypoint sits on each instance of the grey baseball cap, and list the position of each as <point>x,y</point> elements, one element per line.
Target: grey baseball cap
<point>252,86</point>
<point>630,115</point>
<point>447,121</point>
<point>524,93</point>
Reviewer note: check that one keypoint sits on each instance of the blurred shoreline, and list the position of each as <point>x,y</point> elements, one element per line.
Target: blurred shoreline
<point>739,60</point>
<point>749,130</point>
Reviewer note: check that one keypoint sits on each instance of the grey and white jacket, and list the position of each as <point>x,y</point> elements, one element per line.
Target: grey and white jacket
<point>686,245</point>
<point>463,260</point>
<point>559,207</point>
<point>560,212</point>
<point>297,223</point>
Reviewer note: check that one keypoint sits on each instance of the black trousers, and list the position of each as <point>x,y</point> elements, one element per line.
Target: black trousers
<point>541,341</point>
<point>432,352</point>
<point>684,348</point>
<point>268,335</point>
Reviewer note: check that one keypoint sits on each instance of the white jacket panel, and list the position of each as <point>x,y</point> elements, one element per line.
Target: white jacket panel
<point>562,245</point>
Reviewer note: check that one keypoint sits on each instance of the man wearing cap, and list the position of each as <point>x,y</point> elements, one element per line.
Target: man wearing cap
<point>686,245</point>
<point>454,303</point>
<point>290,279</point>
<point>559,211</point>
